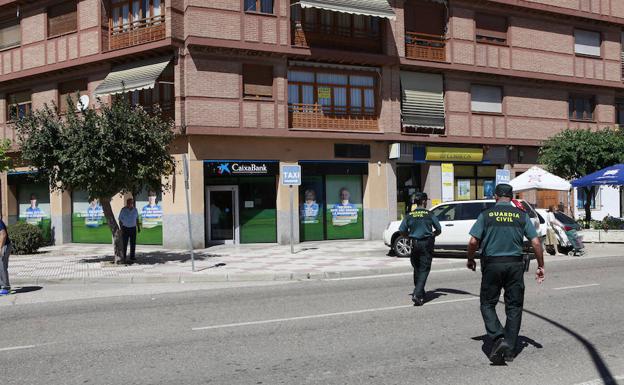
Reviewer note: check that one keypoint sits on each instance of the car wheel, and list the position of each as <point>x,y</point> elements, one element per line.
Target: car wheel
<point>402,246</point>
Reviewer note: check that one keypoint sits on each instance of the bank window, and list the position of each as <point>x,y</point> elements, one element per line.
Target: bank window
<point>10,34</point>
<point>581,107</point>
<point>474,182</point>
<point>581,198</point>
<point>19,105</point>
<point>335,93</point>
<point>262,6</point>
<point>72,89</point>
<point>486,99</point>
<point>257,81</point>
<point>62,18</point>
<point>491,29</point>
<point>587,42</point>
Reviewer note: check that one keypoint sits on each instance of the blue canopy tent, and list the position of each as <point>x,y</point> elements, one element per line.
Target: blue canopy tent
<point>611,176</point>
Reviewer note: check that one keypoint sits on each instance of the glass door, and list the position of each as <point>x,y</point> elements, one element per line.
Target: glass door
<point>222,214</point>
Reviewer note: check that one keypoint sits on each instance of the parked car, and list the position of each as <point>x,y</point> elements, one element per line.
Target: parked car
<point>569,224</point>
<point>456,219</point>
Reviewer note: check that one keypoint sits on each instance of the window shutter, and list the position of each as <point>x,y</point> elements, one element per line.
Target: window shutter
<point>422,97</point>
<point>10,34</point>
<point>587,42</point>
<point>257,80</point>
<point>62,18</point>
<point>486,99</point>
<point>491,26</point>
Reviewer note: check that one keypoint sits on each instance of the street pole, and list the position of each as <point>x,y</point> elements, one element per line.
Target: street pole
<point>292,225</point>
<point>188,209</point>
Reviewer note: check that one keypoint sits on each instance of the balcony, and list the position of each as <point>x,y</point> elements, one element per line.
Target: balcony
<point>422,46</point>
<point>136,32</point>
<point>315,116</point>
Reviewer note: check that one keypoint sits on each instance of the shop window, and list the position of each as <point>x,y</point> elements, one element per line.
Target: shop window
<point>18,105</point>
<point>34,207</point>
<point>10,34</point>
<point>486,99</point>
<point>71,90</point>
<point>581,198</point>
<point>258,213</point>
<point>352,151</point>
<point>262,6</point>
<point>581,107</point>
<point>408,183</point>
<point>474,182</point>
<point>257,81</point>
<point>587,42</point>
<point>491,29</point>
<point>88,221</point>
<point>62,19</point>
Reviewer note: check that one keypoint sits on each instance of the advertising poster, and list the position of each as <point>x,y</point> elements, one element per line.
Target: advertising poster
<point>448,182</point>
<point>34,207</point>
<point>488,188</point>
<point>344,206</point>
<point>311,209</point>
<point>88,222</point>
<point>150,211</point>
<point>463,189</point>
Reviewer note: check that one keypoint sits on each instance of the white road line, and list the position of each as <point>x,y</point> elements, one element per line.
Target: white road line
<point>394,274</point>
<point>326,315</point>
<point>601,382</point>
<point>576,287</point>
<point>17,348</point>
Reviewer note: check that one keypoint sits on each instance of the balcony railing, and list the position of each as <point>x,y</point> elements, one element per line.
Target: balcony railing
<point>136,32</point>
<point>315,116</point>
<point>335,37</point>
<point>423,46</point>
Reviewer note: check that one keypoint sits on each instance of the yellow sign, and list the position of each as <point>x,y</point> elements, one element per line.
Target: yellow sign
<point>324,93</point>
<point>435,202</point>
<point>457,154</point>
<point>447,167</point>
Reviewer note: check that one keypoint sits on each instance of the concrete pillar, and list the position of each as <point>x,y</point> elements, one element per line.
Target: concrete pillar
<point>432,182</point>
<point>283,210</point>
<point>379,204</point>
<point>60,217</point>
<point>391,171</point>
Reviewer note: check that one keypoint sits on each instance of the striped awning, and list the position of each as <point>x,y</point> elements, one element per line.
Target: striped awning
<point>133,76</point>
<point>379,8</point>
<point>422,96</point>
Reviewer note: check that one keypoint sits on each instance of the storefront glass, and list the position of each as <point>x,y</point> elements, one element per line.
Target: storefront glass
<point>344,211</point>
<point>88,222</point>
<point>408,182</point>
<point>474,182</point>
<point>34,207</point>
<point>312,209</point>
<point>148,204</point>
<point>257,202</point>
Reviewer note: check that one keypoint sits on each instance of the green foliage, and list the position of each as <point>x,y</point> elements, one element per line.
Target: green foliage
<point>116,148</point>
<point>5,160</point>
<point>25,238</point>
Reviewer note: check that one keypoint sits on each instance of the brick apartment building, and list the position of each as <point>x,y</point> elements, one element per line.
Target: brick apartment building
<point>373,98</point>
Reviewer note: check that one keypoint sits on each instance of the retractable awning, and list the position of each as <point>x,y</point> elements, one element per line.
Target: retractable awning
<point>379,8</point>
<point>133,76</point>
<point>422,100</point>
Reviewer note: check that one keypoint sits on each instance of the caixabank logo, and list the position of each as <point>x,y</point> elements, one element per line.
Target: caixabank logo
<point>223,168</point>
<point>239,168</point>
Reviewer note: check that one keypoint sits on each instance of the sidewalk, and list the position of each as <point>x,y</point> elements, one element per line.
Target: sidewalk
<point>312,260</point>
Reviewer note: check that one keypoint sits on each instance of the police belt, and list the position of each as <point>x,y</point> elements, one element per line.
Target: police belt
<point>503,259</point>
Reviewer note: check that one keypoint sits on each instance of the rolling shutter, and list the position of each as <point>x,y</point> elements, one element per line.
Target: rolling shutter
<point>422,96</point>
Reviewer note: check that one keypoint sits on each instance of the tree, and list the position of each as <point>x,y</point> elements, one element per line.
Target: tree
<point>572,154</point>
<point>115,149</point>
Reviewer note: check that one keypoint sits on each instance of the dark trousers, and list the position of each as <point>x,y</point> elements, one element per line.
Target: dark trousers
<point>129,234</point>
<point>422,254</point>
<point>496,276</point>
<point>5,252</point>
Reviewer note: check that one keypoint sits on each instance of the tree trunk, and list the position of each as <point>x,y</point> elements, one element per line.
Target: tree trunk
<point>115,231</point>
<point>588,200</point>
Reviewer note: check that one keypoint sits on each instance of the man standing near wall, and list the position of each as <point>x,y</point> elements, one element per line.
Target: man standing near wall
<point>129,222</point>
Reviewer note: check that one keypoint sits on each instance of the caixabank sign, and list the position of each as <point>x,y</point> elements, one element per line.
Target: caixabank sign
<point>226,168</point>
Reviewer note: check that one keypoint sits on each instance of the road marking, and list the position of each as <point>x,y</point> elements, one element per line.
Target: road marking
<point>394,274</point>
<point>576,287</point>
<point>223,326</point>
<point>17,348</point>
<point>601,382</point>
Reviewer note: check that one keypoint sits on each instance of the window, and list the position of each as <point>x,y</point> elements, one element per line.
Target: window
<point>257,81</point>
<point>337,93</point>
<point>619,112</point>
<point>470,211</point>
<point>132,14</point>
<point>10,34</point>
<point>581,198</point>
<point>491,28</point>
<point>486,99</point>
<point>73,89</point>
<point>19,105</point>
<point>262,6</point>
<point>352,151</point>
<point>581,107</point>
<point>446,212</point>
<point>62,18</point>
<point>587,42</point>
<point>162,94</point>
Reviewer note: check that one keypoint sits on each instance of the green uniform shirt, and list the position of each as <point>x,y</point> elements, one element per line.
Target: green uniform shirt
<point>419,224</point>
<point>501,230</point>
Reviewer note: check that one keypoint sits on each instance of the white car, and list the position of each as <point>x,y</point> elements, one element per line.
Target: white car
<point>456,219</point>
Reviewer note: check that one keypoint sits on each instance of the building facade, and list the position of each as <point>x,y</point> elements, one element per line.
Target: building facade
<point>374,99</point>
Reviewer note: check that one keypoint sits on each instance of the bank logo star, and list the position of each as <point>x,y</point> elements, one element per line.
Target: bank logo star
<point>223,168</point>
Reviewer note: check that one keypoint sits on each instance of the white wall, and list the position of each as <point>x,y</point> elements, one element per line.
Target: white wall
<point>608,203</point>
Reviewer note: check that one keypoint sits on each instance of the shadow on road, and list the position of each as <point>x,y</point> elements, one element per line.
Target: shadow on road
<point>154,258</point>
<point>26,289</point>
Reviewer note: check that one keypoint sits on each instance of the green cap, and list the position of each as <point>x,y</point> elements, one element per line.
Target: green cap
<point>504,190</point>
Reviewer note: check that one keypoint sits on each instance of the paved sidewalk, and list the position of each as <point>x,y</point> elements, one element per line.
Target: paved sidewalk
<point>312,260</point>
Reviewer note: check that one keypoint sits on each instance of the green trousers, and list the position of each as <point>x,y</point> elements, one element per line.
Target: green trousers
<point>422,254</point>
<point>497,276</point>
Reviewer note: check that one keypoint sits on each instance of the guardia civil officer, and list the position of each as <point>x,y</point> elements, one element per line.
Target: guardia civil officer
<point>499,232</point>
<point>422,227</point>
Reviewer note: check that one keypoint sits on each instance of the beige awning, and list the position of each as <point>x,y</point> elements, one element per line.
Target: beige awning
<point>133,76</point>
<point>378,8</point>
<point>422,101</point>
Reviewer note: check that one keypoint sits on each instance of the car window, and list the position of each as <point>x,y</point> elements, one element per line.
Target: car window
<point>529,210</point>
<point>489,205</point>
<point>566,220</point>
<point>446,212</point>
<point>541,219</point>
<point>470,211</point>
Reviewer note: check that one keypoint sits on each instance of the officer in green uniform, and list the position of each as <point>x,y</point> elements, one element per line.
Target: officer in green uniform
<point>499,232</point>
<point>422,228</point>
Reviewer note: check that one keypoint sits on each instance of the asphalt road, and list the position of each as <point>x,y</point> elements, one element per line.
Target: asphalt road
<point>357,331</point>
